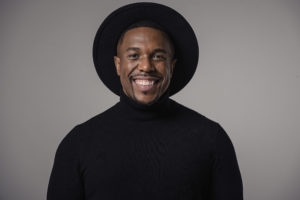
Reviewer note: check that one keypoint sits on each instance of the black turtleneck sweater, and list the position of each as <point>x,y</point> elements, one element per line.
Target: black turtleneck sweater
<point>133,151</point>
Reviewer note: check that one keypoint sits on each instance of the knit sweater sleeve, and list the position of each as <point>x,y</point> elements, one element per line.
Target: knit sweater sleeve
<point>65,180</point>
<point>226,178</point>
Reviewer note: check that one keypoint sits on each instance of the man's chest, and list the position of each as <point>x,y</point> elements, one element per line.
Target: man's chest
<point>152,161</point>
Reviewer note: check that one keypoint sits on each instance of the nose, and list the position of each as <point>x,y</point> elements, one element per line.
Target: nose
<point>145,64</point>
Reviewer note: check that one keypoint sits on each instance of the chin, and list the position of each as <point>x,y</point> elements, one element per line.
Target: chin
<point>145,100</point>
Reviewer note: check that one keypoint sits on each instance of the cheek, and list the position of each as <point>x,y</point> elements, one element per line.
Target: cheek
<point>166,72</point>
<point>125,70</point>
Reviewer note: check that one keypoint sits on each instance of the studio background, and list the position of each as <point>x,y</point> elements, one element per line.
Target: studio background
<point>248,80</point>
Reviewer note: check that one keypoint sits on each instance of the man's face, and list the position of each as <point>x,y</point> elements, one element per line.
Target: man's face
<point>144,63</point>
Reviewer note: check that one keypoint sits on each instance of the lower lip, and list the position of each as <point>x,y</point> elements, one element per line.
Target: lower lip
<point>145,88</point>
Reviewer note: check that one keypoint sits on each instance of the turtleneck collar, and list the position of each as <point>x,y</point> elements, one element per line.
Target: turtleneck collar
<point>139,111</point>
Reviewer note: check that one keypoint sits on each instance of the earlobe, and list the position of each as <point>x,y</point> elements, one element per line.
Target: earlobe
<point>117,64</point>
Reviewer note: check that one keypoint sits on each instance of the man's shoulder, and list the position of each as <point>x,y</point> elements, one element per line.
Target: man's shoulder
<point>185,111</point>
<point>103,117</point>
<point>192,117</point>
<point>83,132</point>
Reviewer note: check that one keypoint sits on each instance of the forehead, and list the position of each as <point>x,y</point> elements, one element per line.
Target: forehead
<point>144,35</point>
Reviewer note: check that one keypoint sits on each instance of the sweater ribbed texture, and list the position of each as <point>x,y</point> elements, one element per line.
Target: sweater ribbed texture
<point>162,151</point>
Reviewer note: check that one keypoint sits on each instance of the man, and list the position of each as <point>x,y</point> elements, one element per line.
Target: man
<point>147,146</point>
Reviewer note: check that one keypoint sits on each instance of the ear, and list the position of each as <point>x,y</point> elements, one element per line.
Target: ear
<point>117,64</point>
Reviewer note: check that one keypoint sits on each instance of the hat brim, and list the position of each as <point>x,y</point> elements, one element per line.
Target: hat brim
<point>178,29</point>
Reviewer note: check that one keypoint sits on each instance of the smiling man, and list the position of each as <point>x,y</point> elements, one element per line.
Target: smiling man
<point>145,62</point>
<point>146,146</point>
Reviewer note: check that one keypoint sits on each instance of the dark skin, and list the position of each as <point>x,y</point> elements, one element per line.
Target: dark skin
<point>145,64</point>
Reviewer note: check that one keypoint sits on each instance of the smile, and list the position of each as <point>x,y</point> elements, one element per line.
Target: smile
<point>145,85</point>
<point>144,82</point>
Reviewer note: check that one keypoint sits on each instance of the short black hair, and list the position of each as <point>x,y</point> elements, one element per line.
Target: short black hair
<point>149,24</point>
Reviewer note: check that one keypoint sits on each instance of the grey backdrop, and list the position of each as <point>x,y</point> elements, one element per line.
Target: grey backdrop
<point>248,80</point>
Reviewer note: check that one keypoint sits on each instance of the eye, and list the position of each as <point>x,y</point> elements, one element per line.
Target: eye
<point>159,57</point>
<point>133,56</point>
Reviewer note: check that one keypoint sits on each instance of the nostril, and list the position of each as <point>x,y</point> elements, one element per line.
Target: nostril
<point>146,67</point>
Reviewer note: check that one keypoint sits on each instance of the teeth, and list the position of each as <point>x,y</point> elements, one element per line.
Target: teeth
<point>144,82</point>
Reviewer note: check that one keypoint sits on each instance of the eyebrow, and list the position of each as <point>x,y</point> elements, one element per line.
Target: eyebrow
<point>160,51</point>
<point>132,49</point>
<point>138,49</point>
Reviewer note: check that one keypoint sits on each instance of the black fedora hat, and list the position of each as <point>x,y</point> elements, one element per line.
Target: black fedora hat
<point>173,23</point>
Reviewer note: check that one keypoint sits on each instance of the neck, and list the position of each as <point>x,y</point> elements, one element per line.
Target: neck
<point>137,110</point>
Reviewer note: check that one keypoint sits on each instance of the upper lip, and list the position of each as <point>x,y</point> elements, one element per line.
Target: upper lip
<point>145,77</point>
